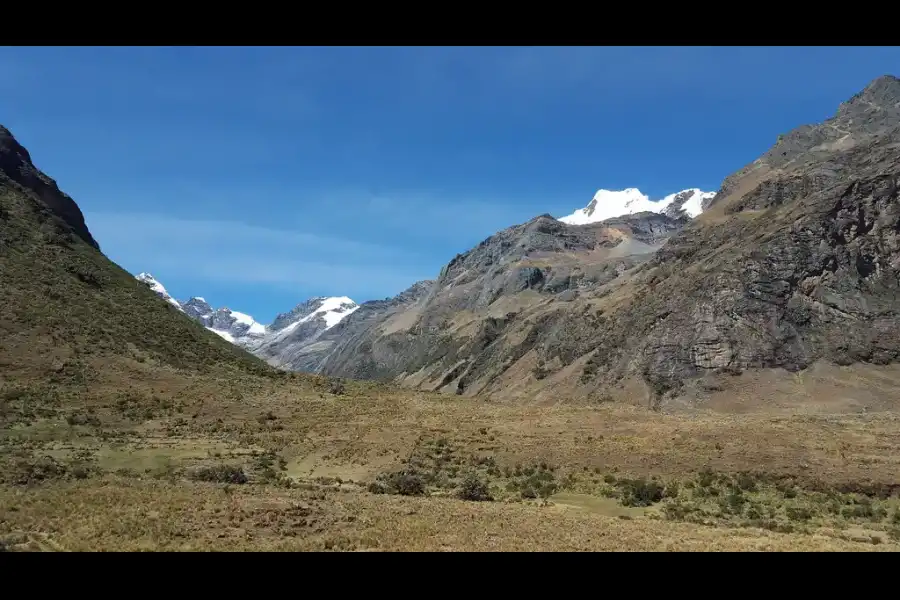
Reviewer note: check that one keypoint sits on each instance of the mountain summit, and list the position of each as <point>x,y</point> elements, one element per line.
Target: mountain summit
<point>236,327</point>
<point>157,287</point>
<point>607,204</point>
<point>16,166</point>
<point>299,327</point>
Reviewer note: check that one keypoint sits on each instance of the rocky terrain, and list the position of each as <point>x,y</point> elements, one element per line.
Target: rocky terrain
<point>488,276</point>
<point>325,331</point>
<point>452,333</point>
<point>795,260</point>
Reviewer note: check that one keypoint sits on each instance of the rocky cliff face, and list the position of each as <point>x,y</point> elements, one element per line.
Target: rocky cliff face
<point>15,163</point>
<point>307,345</point>
<point>464,329</point>
<point>795,260</point>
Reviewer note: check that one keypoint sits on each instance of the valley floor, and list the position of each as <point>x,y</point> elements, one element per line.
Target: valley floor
<point>143,458</point>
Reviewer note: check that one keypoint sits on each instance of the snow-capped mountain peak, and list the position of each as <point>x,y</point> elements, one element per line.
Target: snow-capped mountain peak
<point>302,330</point>
<point>607,204</point>
<point>242,319</point>
<point>328,311</point>
<point>157,287</point>
<point>334,309</point>
<point>692,202</point>
<point>236,327</point>
<point>197,307</point>
<point>308,320</point>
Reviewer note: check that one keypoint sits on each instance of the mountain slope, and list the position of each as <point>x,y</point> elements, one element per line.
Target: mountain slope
<point>335,343</point>
<point>65,303</point>
<point>462,331</point>
<point>300,338</point>
<point>16,166</point>
<point>794,261</point>
<point>158,288</point>
<point>231,325</point>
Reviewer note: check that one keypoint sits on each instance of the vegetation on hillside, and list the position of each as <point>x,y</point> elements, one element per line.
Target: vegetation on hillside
<point>64,303</point>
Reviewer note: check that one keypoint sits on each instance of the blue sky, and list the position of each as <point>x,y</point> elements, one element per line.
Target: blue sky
<point>258,177</point>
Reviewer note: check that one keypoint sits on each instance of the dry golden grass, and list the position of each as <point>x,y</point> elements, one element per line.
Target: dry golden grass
<point>114,514</point>
<point>112,464</point>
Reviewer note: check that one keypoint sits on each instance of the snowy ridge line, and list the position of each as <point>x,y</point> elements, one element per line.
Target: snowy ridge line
<point>608,204</point>
<point>157,287</point>
<point>242,329</point>
<point>332,310</point>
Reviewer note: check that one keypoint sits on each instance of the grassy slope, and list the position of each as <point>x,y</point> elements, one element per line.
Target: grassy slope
<point>64,301</point>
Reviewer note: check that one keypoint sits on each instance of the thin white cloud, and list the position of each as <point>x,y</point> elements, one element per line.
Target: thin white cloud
<point>249,255</point>
<point>221,235</point>
<point>370,214</point>
<point>422,214</point>
<point>526,72</point>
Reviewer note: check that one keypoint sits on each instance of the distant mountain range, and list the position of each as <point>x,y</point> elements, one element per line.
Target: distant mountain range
<point>794,260</point>
<point>297,339</point>
<point>310,318</point>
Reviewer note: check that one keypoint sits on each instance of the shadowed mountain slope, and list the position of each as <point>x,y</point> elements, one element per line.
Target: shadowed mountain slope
<point>64,303</point>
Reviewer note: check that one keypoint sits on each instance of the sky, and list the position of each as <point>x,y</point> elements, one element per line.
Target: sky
<point>260,177</point>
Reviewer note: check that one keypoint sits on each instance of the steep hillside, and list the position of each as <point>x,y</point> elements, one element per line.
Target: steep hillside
<point>795,261</point>
<point>480,316</point>
<point>16,166</point>
<point>303,339</point>
<point>64,303</point>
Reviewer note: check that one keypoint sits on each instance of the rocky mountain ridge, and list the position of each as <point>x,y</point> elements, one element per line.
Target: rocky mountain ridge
<point>301,325</point>
<point>303,338</point>
<point>235,327</point>
<point>446,337</point>
<point>16,166</point>
<point>301,350</point>
<point>793,261</point>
